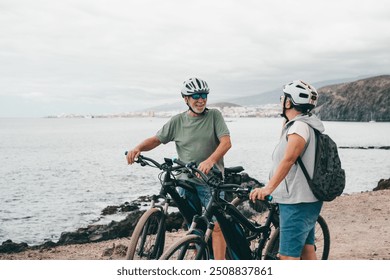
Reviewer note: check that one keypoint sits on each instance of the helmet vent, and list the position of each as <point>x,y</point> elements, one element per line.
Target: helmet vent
<point>197,81</point>
<point>299,86</point>
<point>303,95</point>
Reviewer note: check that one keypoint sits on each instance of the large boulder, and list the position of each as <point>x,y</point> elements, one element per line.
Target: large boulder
<point>383,184</point>
<point>95,233</point>
<point>10,247</point>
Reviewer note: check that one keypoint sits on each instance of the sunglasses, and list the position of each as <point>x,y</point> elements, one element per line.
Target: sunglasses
<point>196,96</point>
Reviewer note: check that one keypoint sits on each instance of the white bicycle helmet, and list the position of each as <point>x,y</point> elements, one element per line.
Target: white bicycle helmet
<point>194,85</point>
<point>301,94</point>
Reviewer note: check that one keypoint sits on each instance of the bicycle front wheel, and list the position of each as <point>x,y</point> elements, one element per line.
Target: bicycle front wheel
<point>190,247</point>
<point>148,238</point>
<point>322,242</point>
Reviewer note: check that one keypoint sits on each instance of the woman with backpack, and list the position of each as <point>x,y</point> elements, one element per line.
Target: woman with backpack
<point>299,208</point>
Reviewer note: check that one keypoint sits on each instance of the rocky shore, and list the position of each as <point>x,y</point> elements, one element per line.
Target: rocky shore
<point>359,226</point>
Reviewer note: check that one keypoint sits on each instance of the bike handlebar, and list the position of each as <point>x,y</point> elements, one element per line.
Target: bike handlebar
<point>238,189</point>
<point>141,160</point>
<point>191,166</point>
<point>226,187</point>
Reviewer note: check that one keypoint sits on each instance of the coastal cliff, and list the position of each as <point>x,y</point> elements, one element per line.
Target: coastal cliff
<point>361,101</point>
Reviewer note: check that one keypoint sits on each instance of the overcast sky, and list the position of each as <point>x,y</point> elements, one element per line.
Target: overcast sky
<point>106,56</point>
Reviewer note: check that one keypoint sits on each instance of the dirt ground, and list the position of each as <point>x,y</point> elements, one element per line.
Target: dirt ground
<point>358,223</point>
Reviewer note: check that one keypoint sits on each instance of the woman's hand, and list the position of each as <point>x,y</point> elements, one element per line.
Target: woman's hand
<point>260,193</point>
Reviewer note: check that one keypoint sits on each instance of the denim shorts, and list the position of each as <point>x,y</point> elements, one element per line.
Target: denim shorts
<point>204,196</point>
<point>297,227</point>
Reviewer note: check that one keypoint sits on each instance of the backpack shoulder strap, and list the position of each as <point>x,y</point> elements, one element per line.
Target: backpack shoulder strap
<point>300,162</point>
<point>299,159</point>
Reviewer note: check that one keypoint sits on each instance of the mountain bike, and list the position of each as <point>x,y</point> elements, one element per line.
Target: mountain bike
<point>148,238</point>
<point>322,234</point>
<point>260,211</point>
<point>240,232</point>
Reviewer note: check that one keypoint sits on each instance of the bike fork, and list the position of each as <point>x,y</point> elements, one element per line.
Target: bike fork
<point>160,237</point>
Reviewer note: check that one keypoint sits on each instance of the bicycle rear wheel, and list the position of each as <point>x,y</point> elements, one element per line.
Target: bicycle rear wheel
<point>322,242</point>
<point>148,238</point>
<point>190,247</point>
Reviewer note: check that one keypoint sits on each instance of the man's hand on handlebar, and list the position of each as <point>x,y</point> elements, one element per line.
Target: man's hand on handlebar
<point>132,155</point>
<point>205,166</point>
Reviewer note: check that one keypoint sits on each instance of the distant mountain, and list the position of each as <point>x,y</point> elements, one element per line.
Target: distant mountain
<point>223,104</point>
<point>350,99</point>
<point>363,100</point>
<point>181,106</point>
<point>177,106</point>
<point>273,96</point>
<point>269,97</point>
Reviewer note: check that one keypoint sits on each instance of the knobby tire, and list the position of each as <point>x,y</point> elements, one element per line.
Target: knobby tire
<point>145,244</point>
<point>190,247</point>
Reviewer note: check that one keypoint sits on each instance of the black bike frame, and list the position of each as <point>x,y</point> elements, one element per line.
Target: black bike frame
<point>231,220</point>
<point>168,186</point>
<point>233,223</point>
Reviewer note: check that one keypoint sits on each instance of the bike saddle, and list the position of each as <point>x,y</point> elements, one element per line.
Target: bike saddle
<point>235,169</point>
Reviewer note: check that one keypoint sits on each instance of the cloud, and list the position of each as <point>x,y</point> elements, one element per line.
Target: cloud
<point>139,52</point>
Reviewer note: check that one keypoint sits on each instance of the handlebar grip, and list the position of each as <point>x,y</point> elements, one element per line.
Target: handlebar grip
<point>179,162</point>
<point>138,159</point>
<point>192,166</point>
<point>268,198</point>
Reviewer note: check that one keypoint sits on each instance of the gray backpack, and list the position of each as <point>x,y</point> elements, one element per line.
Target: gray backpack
<point>328,180</point>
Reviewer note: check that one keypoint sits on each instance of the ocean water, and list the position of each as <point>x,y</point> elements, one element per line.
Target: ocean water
<point>57,175</point>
